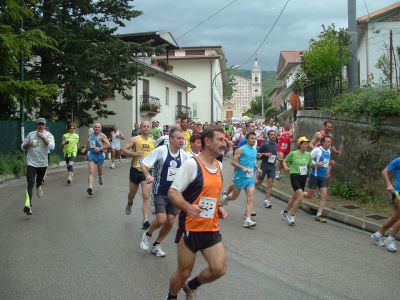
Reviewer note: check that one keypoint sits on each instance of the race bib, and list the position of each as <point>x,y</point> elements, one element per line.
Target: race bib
<point>251,174</point>
<point>272,159</point>
<point>92,144</point>
<point>139,163</point>
<point>171,173</point>
<point>207,206</point>
<point>284,146</point>
<point>326,162</point>
<point>303,170</point>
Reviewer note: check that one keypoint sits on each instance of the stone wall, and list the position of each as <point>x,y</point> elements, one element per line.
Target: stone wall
<point>362,159</point>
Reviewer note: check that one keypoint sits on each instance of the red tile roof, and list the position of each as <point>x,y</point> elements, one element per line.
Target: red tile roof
<point>292,56</point>
<point>378,12</point>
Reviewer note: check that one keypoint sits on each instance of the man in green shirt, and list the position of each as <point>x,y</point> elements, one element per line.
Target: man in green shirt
<point>70,142</point>
<point>154,131</point>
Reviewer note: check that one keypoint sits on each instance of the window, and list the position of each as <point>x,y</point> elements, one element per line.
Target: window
<point>167,96</point>
<point>194,110</point>
<point>179,98</point>
<point>255,79</point>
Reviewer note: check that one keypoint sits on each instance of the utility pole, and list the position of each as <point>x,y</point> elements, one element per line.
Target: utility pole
<point>352,72</point>
<point>21,78</point>
<point>262,107</point>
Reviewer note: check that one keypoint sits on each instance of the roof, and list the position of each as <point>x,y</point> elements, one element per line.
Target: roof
<point>287,60</point>
<point>163,57</point>
<point>380,13</point>
<point>164,74</point>
<point>159,38</point>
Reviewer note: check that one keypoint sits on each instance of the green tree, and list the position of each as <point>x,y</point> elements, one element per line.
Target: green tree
<point>322,60</point>
<point>383,64</point>
<point>93,62</point>
<point>255,108</point>
<point>229,88</point>
<point>13,45</point>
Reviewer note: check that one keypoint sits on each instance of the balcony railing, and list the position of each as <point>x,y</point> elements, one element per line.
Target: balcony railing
<point>183,111</point>
<point>150,105</point>
<point>322,93</point>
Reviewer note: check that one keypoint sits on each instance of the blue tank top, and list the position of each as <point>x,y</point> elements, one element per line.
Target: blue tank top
<point>248,160</point>
<point>169,169</point>
<point>321,154</point>
<point>95,141</point>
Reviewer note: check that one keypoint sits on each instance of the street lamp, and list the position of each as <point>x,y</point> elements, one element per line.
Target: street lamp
<point>212,89</point>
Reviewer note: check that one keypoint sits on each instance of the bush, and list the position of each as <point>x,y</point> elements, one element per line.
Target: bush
<point>345,189</point>
<point>14,163</point>
<point>54,159</point>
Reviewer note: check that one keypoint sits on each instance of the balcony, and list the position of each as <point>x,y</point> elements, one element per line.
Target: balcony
<point>149,105</point>
<point>183,111</point>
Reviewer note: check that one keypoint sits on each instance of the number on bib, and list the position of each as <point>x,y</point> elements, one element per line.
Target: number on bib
<point>207,206</point>
<point>251,174</point>
<point>272,159</point>
<point>92,143</point>
<point>326,162</point>
<point>171,173</point>
<point>303,170</point>
<point>284,146</point>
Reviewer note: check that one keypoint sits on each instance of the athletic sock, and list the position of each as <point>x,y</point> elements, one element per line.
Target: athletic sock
<point>149,234</point>
<point>171,297</point>
<point>27,199</point>
<point>193,284</point>
<point>156,243</point>
<point>248,219</point>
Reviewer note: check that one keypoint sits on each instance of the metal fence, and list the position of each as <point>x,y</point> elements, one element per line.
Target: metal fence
<point>11,134</point>
<point>322,93</point>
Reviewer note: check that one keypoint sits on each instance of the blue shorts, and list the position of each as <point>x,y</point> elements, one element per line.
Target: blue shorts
<point>244,183</point>
<point>98,159</point>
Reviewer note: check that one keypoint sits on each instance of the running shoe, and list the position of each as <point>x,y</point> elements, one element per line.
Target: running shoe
<point>320,218</point>
<point>145,224</point>
<point>285,216</point>
<point>39,191</point>
<point>145,242</point>
<point>253,213</point>
<point>28,210</point>
<point>90,191</point>
<point>190,294</point>
<point>378,239</point>
<point>390,244</point>
<point>267,203</point>
<point>249,224</point>
<point>101,180</point>
<point>112,166</point>
<point>291,219</point>
<point>128,208</point>
<point>158,251</point>
<point>69,180</point>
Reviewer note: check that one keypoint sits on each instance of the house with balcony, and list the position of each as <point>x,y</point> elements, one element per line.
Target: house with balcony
<point>205,67</point>
<point>288,65</point>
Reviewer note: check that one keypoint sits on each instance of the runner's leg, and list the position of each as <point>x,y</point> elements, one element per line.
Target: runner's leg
<point>166,228</point>
<point>133,188</point>
<point>30,179</point>
<point>217,266</point>
<point>92,168</point>
<point>146,189</point>
<point>250,201</point>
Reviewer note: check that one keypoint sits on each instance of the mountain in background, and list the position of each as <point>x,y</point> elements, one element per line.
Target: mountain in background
<point>268,79</point>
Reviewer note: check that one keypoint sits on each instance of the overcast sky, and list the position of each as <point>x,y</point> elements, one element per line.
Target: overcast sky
<point>241,27</point>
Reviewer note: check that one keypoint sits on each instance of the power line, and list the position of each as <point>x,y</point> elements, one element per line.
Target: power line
<point>269,32</point>
<point>366,7</point>
<point>205,20</point>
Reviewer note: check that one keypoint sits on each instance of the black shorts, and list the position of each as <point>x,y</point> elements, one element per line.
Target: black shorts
<point>319,182</point>
<point>197,241</point>
<point>269,172</point>
<point>163,205</point>
<point>136,176</point>
<point>298,181</point>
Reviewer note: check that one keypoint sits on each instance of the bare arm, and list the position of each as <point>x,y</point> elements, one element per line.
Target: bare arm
<point>121,135</point>
<point>178,201</point>
<point>385,175</point>
<point>127,150</point>
<point>315,140</point>
<point>106,142</point>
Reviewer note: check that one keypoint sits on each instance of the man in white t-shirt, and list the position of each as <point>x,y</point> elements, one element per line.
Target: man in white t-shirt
<point>270,126</point>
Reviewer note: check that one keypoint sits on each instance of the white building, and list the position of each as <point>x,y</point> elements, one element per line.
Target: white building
<point>374,39</point>
<point>256,80</point>
<point>205,67</point>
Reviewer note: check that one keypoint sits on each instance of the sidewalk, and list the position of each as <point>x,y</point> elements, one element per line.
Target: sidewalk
<point>362,216</point>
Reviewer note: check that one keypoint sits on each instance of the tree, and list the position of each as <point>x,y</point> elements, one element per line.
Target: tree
<point>255,108</point>
<point>92,63</point>
<point>322,60</point>
<point>229,88</point>
<point>15,44</point>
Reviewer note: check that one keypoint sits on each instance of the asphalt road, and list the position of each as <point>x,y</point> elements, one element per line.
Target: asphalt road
<point>76,247</point>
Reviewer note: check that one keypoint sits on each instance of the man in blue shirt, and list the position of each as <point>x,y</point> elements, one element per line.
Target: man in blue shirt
<point>318,176</point>
<point>394,220</point>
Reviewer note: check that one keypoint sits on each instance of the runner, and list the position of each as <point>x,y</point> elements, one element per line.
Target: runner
<point>196,192</point>
<point>195,145</point>
<point>154,132</point>
<point>96,144</point>
<point>268,152</point>
<point>70,142</point>
<point>244,162</point>
<point>136,130</point>
<point>270,126</point>
<point>138,148</point>
<point>299,162</point>
<point>285,139</point>
<point>166,161</point>
<point>318,175</point>
<point>116,137</point>
<point>187,133</point>
<point>394,220</point>
<point>37,144</point>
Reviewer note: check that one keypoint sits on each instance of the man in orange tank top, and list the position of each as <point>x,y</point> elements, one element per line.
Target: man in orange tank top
<point>196,191</point>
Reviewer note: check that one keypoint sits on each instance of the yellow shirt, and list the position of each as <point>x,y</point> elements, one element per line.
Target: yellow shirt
<point>186,137</point>
<point>145,145</point>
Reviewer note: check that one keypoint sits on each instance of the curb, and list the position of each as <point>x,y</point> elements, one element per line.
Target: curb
<point>329,213</point>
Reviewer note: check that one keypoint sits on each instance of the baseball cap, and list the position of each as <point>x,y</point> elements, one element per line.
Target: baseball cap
<point>41,120</point>
<point>302,140</point>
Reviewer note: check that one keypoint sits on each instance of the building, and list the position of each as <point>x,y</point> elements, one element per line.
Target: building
<point>374,40</point>
<point>205,67</point>
<point>256,80</point>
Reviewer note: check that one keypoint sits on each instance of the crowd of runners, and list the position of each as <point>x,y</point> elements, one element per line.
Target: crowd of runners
<point>179,169</point>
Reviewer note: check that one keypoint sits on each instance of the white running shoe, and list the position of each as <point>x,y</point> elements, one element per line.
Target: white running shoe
<point>128,208</point>
<point>145,242</point>
<point>158,251</point>
<point>285,216</point>
<point>112,166</point>
<point>39,192</point>
<point>267,203</point>
<point>249,224</point>
<point>378,239</point>
<point>390,244</point>
<point>292,220</point>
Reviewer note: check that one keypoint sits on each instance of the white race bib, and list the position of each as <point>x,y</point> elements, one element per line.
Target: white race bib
<point>303,170</point>
<point>326,162</point>
<point>271,159</point>
<point>284,146</point>
<point>251,174</point>
<point>92,144</point>
<point>171,173</point>
<point>207,206</point>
